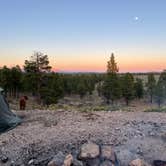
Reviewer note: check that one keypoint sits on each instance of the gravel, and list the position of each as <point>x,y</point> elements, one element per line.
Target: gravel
<point>44,133</point>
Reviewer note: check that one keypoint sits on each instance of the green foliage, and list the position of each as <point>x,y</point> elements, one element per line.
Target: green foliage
<point>138,88</point>
<point>151,85</point>
<point>35,68</point>
<point>111,86</point>
<point>10,80</point>
<point>80,84</point>
<point>100,88</point>
<point>16,77</point>
<point>38,63</point>
<point>159,92</point>
<point>81,88</point>
<point>30,82</point>
<point>162,80</point>
<point>52,88</point>
<point>128,87</point>
<point>5,76</point>
<point>99,108</point>
<point>156,110</point>
<point>112,65</point>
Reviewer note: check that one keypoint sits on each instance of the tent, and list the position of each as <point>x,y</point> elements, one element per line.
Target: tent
<point>8,119</point>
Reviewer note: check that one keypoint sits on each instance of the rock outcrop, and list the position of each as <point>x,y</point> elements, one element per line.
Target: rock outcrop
<point>90,154</point>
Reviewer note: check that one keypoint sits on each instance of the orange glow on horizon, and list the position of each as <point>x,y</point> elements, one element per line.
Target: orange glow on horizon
<point>97,63</point>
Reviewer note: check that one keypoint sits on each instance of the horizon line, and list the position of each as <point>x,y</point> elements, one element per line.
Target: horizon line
<point>91,71</point>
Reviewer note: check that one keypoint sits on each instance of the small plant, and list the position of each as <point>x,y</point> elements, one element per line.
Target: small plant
<point>156,110</point>
<point>85,109</point>
<point>100,108</point>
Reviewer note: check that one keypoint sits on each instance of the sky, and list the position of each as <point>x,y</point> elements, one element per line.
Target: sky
<point>80,35</point>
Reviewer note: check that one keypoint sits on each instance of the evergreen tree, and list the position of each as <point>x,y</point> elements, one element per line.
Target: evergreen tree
<point>128,87</point>
<point>38,63</point>
<point>81,88</point>
<point>151,84</point>
<point>16,78</point>
<point>111,86</point>
<point>112,67</point>
<point>162,79</point>
<point>160,90</point>
<point>138,88</point>
<point>99,89</point>
<point>35,68</point>
<point>52,88</point>
<point>159,93</point>
<point>90,84</point>
<point>5,79</point>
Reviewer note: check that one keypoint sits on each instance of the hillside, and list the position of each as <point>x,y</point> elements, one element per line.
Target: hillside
<point>44,133</point>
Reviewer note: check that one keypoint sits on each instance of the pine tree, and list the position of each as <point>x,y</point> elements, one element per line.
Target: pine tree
<point>160,90</point>
<point>52,88</point>
<point>35,68</point>
<point>162,79</point>
<point>159,93</point>
<point>81,88</point>
<point>128,87</point>
<point>139,88</point>
<point>16,78</point>
<point>112,67</point>
<point>111,86</point>
<point>5,79</point>
<point>151,84</point>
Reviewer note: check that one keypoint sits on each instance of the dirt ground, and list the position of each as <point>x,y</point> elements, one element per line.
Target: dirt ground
<point>43,133</point>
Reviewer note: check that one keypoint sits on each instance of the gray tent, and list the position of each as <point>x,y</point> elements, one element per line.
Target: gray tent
<point>8,119</point>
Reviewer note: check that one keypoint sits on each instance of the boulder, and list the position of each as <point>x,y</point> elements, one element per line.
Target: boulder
<point>89,151</point>
<point>138,162</point>
<point>107,153</point>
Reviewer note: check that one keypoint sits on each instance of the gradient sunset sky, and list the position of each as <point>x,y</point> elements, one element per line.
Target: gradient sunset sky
<point>80,35</point>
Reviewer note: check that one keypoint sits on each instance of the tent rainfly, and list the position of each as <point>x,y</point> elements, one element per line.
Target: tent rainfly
<point>8,119</point>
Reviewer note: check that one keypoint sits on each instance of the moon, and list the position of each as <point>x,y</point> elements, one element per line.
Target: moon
<point>136,18</point>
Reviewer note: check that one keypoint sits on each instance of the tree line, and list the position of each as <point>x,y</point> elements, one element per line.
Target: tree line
<point>117,86</point>
<point>37,79</point>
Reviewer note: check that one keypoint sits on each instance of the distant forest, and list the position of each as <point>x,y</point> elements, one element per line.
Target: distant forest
<point>37,79</point>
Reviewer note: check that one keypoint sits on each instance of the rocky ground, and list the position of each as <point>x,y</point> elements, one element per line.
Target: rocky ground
<point>43,134</point>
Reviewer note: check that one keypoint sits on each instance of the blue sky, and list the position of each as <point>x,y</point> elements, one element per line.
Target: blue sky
<point>72,31</point>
